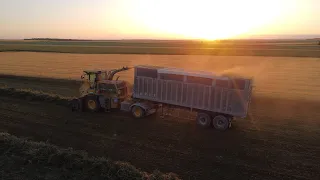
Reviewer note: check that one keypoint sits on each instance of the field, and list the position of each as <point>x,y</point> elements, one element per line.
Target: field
<point>280,139</point>
<point>288,77</point>
<point>282,48</point>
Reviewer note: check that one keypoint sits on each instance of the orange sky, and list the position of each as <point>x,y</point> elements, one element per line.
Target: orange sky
<point>120,19</point>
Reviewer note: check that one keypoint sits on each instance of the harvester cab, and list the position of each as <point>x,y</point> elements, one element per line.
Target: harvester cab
<point>89,82</point>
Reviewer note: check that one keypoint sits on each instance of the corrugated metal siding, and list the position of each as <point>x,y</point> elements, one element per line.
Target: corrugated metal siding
<point>206,96</point>
<point>217,97</point>
<point>198,96</point>
<point>184,94</point>
<point>154,88</point>
<point>159,89</point>
<point>169,91</point>
<point>164,91</point>
<point>179,93</point>
<point>224,100</point>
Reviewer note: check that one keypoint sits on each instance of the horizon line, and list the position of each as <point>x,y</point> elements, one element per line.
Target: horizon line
<point>254,37</point>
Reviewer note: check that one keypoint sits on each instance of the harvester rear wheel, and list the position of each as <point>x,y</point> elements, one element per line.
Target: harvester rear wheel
<point>92,103</point>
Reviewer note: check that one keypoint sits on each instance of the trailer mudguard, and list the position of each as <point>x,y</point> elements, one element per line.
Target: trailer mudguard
<point>145,106</point>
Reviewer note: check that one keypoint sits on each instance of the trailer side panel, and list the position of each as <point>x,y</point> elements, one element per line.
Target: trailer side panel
<point>216,95</point>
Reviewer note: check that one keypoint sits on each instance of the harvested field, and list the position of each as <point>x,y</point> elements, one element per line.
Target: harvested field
<point>280,139</point>
<point>279,145</point>
<point>288,77</point>
<point>281,48</point>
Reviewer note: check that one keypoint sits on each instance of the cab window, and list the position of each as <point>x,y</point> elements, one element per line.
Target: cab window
<point>111,88</point>
<point>92,77</point>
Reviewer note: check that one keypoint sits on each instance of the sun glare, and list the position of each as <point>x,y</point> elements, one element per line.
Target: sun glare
<point>211,19</point>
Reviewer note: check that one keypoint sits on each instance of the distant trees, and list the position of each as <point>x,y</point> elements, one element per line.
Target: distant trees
<point>56,39</point>
<point>49,39</point>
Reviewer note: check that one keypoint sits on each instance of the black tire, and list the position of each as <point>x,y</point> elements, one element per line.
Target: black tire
<point>137,112</point>
<point>92,103</point>
<point>75,105</point>
<point>221,122</point>
<point>204,120</point>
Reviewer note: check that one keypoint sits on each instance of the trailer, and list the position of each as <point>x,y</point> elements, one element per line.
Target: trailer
<point>216,98</point>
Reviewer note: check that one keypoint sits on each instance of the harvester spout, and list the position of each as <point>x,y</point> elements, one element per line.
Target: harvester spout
<point>115,71</point>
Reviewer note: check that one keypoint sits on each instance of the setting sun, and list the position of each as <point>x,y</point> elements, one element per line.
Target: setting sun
<point>208,19</point>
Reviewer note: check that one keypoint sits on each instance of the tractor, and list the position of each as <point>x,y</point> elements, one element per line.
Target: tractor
<point>99,91</point>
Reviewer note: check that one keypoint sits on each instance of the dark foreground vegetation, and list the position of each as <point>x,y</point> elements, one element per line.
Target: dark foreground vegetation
<point>25,159</point>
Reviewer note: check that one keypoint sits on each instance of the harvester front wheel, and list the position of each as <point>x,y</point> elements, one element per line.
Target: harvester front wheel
<point>137,112</point>
<point>92,103</point>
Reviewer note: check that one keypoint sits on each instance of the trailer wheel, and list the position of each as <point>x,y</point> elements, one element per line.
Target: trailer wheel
<point>203,119</point>
<point>137,112</point>
<point>221,122</point>
<point>92,104</point>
